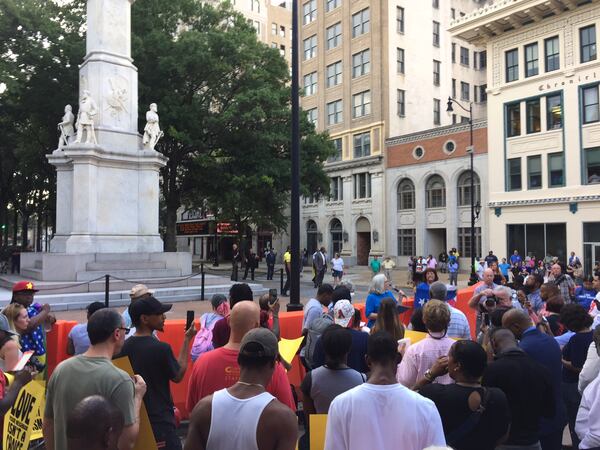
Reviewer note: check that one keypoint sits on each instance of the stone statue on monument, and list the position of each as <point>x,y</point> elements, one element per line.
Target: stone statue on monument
<point>152,132</point>
<point>66,127</point>
<point>85,119</point>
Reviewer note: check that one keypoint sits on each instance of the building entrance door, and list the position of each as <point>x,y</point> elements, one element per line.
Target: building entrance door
<point>591,255</point>
<point>363,241</point>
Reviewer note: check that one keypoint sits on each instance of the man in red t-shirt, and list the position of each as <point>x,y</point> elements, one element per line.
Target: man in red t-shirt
<point>219,369</point>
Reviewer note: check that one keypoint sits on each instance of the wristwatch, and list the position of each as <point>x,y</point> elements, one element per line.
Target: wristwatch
<point>428,376</point>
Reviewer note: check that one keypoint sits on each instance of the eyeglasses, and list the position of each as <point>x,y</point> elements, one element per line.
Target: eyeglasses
<point>126,330</point>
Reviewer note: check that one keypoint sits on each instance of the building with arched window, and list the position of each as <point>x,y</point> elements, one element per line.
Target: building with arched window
<point>428,181</point>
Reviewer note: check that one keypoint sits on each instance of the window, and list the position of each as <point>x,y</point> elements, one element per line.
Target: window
<point>406,195</point>
<point>362,144</point>
<point>334,74</point>
<point>531,60</point>
<point>453,52</point>
<point>418,152</point>
<point>436,73</point>
<point>310,47</point>
<point>464,189</point>
<point>514,174</point>
<point>255,5</point>
<point>465,91</point>
<point>449,147</point>
<point>436,111</point>
<point>464,241</point>
<point>482,60</point>
<point>534,172</point>
<point>330,5</point>
<point>310,84</point>
<point>407,242</point>
<point>538,239</point>
<point>313,115</point>
<point>587,43</point>
<point>483,93</point>
<point>336,192</point>
<point>452,13</point>
<point>362,185</point>
<point>435,4</point>
<point>513,114</point>
<point>282,50</point>
<point>512,65</point>
<point>334,112</point>
<point>534,124</point>
<point>399,19</point>
<point>309,11</point>
<point>592,165</point>
<point>556,170</point>
<point>361,63</point>
<point>281,31</point>
<point>334,35</point>
<point>435,191</point>
<point>436,34</point>
<point>554,112</point>
<point>360,22</point>
<point>256,25</point>
<point>401,93</point>
<point>552,54</point>
<point>274,29</point>
<point>464,56</point>
<point>400,60</point>
<point>337,144</point>
<point>361,104</point>
<point>453,87</point>
<point>590,104</point>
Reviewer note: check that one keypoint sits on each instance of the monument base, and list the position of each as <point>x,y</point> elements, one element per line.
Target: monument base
<point>90,266</point>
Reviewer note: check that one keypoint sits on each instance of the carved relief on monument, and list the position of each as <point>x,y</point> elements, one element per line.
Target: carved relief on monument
<point>117,98</point>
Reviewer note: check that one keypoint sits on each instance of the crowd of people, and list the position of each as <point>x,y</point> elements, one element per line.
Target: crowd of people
<point>529,369</point>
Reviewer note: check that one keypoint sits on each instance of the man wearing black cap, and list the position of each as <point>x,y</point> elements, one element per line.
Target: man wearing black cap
<point>258,416</point>
<point>155,362</point>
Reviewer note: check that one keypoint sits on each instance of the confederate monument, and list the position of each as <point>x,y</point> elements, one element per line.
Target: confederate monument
<point>107,181</point>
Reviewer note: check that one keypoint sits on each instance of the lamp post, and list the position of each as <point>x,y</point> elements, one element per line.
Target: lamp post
<point>294,304</point>
<point>475,208</point>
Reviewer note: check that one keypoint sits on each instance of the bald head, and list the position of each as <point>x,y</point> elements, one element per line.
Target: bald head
<point>488,276</point>
<point>245,316</point>
<point>502,340</point>
<point>516,321</point>
<point>94,424</point>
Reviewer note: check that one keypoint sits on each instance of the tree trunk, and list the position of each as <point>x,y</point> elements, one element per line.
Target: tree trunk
<point>171,226</point>
<point>15,228</point>
<point>24,240</point>
<point>38,221</point>
<point>173,202</point>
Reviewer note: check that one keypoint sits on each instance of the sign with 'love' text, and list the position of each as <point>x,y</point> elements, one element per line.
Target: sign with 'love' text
<point>21,418</point>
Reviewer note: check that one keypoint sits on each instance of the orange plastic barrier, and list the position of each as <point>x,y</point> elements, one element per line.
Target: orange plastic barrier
<point>290,325</point>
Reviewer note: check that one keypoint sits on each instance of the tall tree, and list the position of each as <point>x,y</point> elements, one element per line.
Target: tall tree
<point>224,102</point>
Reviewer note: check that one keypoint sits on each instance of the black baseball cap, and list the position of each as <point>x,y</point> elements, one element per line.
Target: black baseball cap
<point>148,306</point>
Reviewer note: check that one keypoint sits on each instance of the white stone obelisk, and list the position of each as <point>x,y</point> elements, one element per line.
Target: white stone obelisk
<point>108,192</point>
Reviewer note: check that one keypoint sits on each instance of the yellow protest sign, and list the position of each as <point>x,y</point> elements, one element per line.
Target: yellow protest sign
<point>20,419</point>
<point>414,336</point>
<point>318,425</point>
<point>289,347</point>
<point>145,439</point>
<point>36,432</point>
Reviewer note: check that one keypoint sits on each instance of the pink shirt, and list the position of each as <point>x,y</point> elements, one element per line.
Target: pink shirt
<point>419,357</point>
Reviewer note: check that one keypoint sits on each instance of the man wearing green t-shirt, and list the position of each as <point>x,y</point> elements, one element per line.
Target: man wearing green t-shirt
<point>93,373</point>
<point>375,265</point>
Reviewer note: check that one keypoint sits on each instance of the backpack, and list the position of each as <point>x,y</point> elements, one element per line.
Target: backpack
<point>315,330</point>
<point>203,340</point>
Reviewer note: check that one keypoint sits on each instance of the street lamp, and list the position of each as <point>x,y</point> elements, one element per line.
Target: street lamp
<point>294,304</point>
<point>475,209</point>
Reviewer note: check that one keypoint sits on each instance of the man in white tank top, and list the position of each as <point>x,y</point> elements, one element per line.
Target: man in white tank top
<point>245,416</point>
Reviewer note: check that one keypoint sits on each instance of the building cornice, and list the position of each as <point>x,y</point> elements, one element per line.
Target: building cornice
<point>435,132</point>
<point>367,161</point>
<point>546,201</point>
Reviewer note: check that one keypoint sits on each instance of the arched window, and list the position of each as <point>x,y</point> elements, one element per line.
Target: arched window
<point>464,189</point>
<point>311,236</point>
<point>436,192</point>
<point>406,195</point>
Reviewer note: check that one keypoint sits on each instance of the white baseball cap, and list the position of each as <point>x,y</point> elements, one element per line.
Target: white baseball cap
<point>343,313</point>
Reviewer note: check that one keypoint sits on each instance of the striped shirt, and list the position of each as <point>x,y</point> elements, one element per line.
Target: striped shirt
<point>459,325</point>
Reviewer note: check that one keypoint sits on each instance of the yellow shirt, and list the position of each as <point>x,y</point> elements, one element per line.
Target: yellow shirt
<point>287,257</point>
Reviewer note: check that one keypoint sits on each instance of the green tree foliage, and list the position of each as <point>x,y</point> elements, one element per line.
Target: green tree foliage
<point>224,104</point>
<point>41,45</point>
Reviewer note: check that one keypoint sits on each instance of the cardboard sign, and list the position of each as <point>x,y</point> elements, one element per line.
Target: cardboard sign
<point>145,439</point>
<point>20,420</point>
<point>318,425</point>
<point>289,347</point>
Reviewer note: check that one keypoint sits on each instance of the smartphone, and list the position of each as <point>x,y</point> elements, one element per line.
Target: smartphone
<point>272,296</point>
<point>189,319</point>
